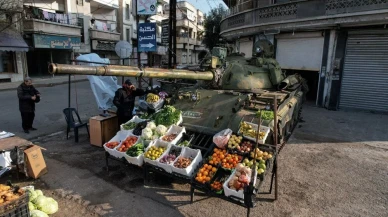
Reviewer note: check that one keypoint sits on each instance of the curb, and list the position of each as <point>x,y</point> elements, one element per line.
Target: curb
<point>45,84</point>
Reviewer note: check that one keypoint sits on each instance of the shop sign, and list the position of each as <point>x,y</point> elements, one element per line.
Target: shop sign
<point>146,37</point>
<point>165,31</point>
<point>146,7</point>
<point>56,42</point>
<point>102,45</point>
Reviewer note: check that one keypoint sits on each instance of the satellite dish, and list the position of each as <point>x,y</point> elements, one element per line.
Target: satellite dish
<point>123,49</point>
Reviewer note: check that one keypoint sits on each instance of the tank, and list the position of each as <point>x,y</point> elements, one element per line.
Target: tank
<point>229,88</point>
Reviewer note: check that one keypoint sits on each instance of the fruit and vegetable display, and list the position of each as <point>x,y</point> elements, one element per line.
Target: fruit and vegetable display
<point>171,156</point>
<point>230,161</point>
<point>245,147</point>
<point>234,142</point>
<point>168,116</point>
<point>247,130</point>
<point>139,128</point>
<point>216,185</point>
<point>260,155</point>
<point>7,194</point>
<point>183,162</point>
<point>240,178</point>
<point>154,152</point>
<point>169,138</point>
<point>112,145</point>
<point>136,150</point>
<point>152,98</point>
<point>260,165</point>
<point>265,114</point>
<point>217,156</point>
<point>129,126</point>
<point>41,205</point>
<point>184,144</point>
<point>127,143</point>
<point>205,174</point>
<point>152,131</point>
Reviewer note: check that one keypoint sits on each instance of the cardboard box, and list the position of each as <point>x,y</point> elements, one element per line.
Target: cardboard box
<point>36,166</point>
<point>102,129</point>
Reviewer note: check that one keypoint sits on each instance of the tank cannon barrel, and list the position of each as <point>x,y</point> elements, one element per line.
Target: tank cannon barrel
<point>128,71</point>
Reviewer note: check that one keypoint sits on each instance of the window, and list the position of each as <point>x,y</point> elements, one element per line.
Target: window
<point>128,33</point>
<point>80,2</point>
<point>127,11</point>
<point>6,61</point>
<point>81,24</point>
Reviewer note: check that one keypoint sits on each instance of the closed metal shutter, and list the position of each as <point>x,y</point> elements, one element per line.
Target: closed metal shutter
<point>365,77</point>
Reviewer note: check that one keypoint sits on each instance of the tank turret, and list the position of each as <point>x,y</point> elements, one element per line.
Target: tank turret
<point>233,88</point>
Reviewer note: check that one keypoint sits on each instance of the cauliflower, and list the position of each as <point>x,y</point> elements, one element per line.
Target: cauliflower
<point>161,130</point>
<point>146,133</point>
<point>151,125</point>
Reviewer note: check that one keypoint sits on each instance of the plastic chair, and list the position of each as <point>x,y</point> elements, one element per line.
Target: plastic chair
<point>71,123</point>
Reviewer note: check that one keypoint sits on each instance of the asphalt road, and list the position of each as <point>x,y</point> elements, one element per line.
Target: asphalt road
<point>49,117</point>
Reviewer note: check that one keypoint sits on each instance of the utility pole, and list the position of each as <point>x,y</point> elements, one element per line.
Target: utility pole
<point>172,33</point>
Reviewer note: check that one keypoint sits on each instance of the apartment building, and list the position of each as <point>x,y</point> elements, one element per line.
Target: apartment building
<point>190,32</point>
<point>340,46</point>
<point>57,29</point>
<point>12,46</point>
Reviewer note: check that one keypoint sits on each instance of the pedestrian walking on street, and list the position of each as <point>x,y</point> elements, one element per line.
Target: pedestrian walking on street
<point>124,100</point>
<point>28,96</point>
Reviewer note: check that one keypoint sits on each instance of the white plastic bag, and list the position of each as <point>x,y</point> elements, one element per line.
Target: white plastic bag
<point>222,138</point>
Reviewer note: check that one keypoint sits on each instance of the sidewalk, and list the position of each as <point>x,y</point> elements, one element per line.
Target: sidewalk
<point>45,82</point>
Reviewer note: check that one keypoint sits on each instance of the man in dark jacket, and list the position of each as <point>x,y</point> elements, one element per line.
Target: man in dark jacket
<point>28,96</point>
<point>124,100</point>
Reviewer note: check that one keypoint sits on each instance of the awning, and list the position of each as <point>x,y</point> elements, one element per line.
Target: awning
<point>11,40</point>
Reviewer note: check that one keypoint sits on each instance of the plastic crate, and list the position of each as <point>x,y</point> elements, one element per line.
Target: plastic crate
<point>158,143</point>
<point>16,208</point>
<point>263,129</point>
<point>188,153</point>
<point>165,166</point>
<point>135,119</point>
<point>120,136</point>
<point>174,129</point>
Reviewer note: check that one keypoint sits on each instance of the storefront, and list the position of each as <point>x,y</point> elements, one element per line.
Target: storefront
<point>106,49</point>
<point>12,55</point>
<point>50,48</point>
<point>365,71</point>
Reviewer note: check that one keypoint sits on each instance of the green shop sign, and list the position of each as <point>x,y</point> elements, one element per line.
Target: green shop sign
<point>56,42</point>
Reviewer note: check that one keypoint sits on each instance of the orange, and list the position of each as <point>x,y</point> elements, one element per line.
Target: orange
<point>205,166</point>
<point>214,169</point>
<point>205,173</point>
<point>207,179</point>
<point>211,162</point>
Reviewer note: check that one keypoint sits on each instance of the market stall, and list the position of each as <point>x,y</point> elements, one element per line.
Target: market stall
<point>228,165</point>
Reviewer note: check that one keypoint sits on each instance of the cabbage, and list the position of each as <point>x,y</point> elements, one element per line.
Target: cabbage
<point>146,133</point>
<point>161,130</point>
<point>39,192</point>
<point>31,206</point>
<point>46,204</point>
<point>32,194</point>
<point>37,213</point>
<point>151,125</point>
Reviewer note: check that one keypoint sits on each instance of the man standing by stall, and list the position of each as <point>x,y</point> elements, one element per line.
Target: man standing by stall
<point>28,96</point>
<point>124,100</point>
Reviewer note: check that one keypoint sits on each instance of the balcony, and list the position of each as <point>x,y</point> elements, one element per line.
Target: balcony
<point>48,27</point>
<point>104,35</point>
<point>185,40</point>
<point>185,23</point>
<point>248,17</point>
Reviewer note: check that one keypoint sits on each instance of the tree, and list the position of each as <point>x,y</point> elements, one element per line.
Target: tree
<point>212,26</point>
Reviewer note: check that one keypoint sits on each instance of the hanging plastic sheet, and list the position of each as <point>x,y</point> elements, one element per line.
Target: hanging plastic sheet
<point>103,87</point>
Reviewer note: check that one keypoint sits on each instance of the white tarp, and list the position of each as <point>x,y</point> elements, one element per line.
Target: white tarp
<point>103,87</point>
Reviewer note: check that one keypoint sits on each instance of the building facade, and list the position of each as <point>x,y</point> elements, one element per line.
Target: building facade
<point>57,30</point>
<point>340,46</point>
<point>190,31</point>
<point>12,46</point>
